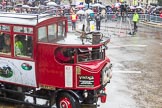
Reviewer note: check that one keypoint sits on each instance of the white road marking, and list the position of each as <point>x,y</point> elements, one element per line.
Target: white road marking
<point>120,46</point>
<point>129,72</point>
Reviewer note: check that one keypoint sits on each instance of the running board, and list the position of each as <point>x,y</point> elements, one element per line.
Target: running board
<point>23,102</point>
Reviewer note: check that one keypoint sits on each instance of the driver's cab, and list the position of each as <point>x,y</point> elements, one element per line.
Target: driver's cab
<point>71,55</point>
<point>59,54</point>
<point>83,50</point>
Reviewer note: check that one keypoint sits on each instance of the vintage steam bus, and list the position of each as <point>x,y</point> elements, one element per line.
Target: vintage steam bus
<point>41,60</point>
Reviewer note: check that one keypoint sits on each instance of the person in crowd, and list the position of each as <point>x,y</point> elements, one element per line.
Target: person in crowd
<point>135,20</point>
<point>19,48</point>
<point>109,11</point>
<point>95,10</point>
<point>5,45</point>
<point>161,14</point>
<point>123,10</point>
<point>98,21</point>
<point>80,17</point>
<point>88,19</point>
<point>73,18</point>
<point>62,12</point>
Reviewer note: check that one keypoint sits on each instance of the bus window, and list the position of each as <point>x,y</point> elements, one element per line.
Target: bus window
<point>23,29</point>
<point>23,45</point>
<point>89,54</point>
<point>42,34</point>
<point>5,44</point>
<point>28,46</point>
<point>64,55</point>
<point>52,30</point>
<point>61,29</point>
<point>1,41</point>
<point>4,28</point>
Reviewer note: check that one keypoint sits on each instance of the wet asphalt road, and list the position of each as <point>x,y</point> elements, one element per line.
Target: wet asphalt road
<point>137,68</point>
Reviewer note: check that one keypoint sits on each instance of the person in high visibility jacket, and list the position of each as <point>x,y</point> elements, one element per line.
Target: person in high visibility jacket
<point>18,46</point>
<point>73,18</point>
<point>135,2</point>
<point>135,20</point>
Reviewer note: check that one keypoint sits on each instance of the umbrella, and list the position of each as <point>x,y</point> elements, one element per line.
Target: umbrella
<point>34,7</point>
<point>9,6</point>
<point>88,11</point>
<point>67,6</point>
<point>80,12</point>
<point>73,4</point>
<point>98,5</point>
<point>80,6</point>
<point>117,5</point>
<point>19,5</point>
<point>42,6</point>
<point>46,1</point>
<point>139,7</point>
<point>51,4</point>
<point>25,6</point>
<point>132,7</point>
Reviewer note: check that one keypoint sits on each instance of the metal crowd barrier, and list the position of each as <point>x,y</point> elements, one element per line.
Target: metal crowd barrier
<point>116,17</point>
<point>142,17</point>
<point>155,18</point>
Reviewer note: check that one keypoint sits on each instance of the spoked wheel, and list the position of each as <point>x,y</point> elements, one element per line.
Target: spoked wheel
<point>65,100</point>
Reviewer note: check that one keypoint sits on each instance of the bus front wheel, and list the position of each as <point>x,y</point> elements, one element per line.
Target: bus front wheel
<point>65,100</point>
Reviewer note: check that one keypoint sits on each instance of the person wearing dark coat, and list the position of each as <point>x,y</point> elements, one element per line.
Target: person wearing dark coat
<point>98,21</point>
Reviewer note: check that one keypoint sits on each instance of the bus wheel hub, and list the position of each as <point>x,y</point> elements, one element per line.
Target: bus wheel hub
<point>65,103</point>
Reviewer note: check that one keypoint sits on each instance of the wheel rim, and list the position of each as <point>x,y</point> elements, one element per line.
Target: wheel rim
<point>65,103</point>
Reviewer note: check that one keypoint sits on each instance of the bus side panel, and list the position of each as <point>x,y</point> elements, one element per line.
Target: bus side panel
<point>18,71</point>
<point>50,73</point>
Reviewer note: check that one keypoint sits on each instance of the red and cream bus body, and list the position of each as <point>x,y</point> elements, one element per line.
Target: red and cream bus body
<point>29,66</point>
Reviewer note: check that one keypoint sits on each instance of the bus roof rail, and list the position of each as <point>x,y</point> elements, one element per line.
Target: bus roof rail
<point>24,15</point>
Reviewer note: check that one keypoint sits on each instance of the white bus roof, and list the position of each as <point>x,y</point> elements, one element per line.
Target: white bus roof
<point>23,19</point>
